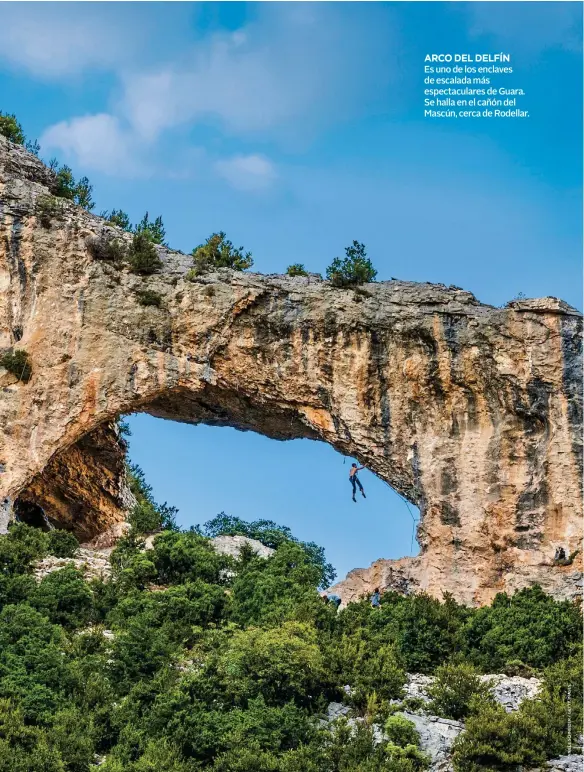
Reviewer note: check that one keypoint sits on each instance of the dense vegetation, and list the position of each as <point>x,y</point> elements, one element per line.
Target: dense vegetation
<point>189,660</point>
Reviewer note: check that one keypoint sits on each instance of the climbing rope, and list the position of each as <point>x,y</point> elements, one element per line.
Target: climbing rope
<point>405,501</point>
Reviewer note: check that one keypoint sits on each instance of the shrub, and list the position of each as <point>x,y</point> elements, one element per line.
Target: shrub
<point>354,269</point>
<point>65,183</point>
<point>62,544</point>
<point>377,669</point>
<point>118,218</point>
<point>106,248</point>
<point>182,557</point>
<point>145,518</point>
<point>426,629</point>
<point>48,208</point>
<point>64,597</point>
<point>154,230</point>
<point>281,664</point>
<point>20,547</point>
<point>17,362</point>
<point>143,257</point>
<point>78,192</point>
<point>11,128</point>
<point>296,269</point>
<point>149,298</point>
<point>402,732</point>
<point>529,626</point>
<point>494,739</point>
<point>454,689</point>
<point>219,252</point>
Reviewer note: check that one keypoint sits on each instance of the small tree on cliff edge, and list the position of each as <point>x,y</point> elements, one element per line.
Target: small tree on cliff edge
<point>219,252</point>
<point>354,269</point>
<point>11,129</point>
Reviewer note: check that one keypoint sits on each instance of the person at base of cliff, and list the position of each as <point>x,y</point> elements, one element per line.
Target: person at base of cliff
<point>355,481</point>
<point>376,598</point>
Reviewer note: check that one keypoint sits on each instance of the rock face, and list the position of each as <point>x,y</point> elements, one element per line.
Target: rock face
<point>470,412</point>
<point>437,736</point>
<point>232,545</point>
<point>95,565</point>
<point>508,691</point>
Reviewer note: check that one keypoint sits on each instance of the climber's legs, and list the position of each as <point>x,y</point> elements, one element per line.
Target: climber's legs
<point>358,481</point>
<point>355,481</point>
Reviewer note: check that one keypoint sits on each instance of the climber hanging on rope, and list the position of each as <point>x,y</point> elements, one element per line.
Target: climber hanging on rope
<point>355,481</point>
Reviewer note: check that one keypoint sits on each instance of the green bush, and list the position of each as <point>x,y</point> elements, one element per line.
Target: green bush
<point>62,544</point>
<point>79,192</point>
<point>402,732</point>
<point>21,546</point>
<point>219,252</point>
<point>149,516</point>
<point>64,597</point>
<point>494,739</point>
<point>149,298</point>
<point>296,269</point>
<point>18,363</point>
<point>281,664</point>
<point>529,626</point>
<point>375,669</point>
<point>154,230</point>
<point>354,269</point>
<point>118,218</point>
<point>145,518</point>
<point>143,257</point>
<point>11,129</point>
<point>454,690</point>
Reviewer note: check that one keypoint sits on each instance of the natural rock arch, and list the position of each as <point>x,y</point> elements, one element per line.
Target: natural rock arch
<point>473,413</point>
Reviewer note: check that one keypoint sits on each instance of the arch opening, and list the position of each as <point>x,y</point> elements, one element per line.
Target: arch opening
<point>224,464</point>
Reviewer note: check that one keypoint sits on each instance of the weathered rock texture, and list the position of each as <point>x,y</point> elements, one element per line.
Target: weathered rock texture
<point>93,564</point>
<point>472,413</point>
<point>508,691</point>
<point>232,546</point>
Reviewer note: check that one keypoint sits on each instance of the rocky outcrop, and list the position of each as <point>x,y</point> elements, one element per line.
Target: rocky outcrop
<point>470,412</point>
<point>508,691</point>
<point>93,565</point>
<point>437,736</point>
<point>232,546</point>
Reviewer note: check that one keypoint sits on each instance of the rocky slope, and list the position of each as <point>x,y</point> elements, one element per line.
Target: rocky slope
<point>437,734</point>
<point>472,413</point>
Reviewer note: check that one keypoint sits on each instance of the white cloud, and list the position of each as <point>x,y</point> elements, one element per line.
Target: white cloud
<point>247,172</point>
<point>53,41</point>
<point>95,142</point>
<point>285,75</point>
<point>291,70</point>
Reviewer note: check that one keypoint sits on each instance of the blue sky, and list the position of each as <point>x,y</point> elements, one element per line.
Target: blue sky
<point>296,128</point>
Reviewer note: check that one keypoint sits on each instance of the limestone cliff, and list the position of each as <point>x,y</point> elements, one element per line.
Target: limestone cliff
<point>473,413</point>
